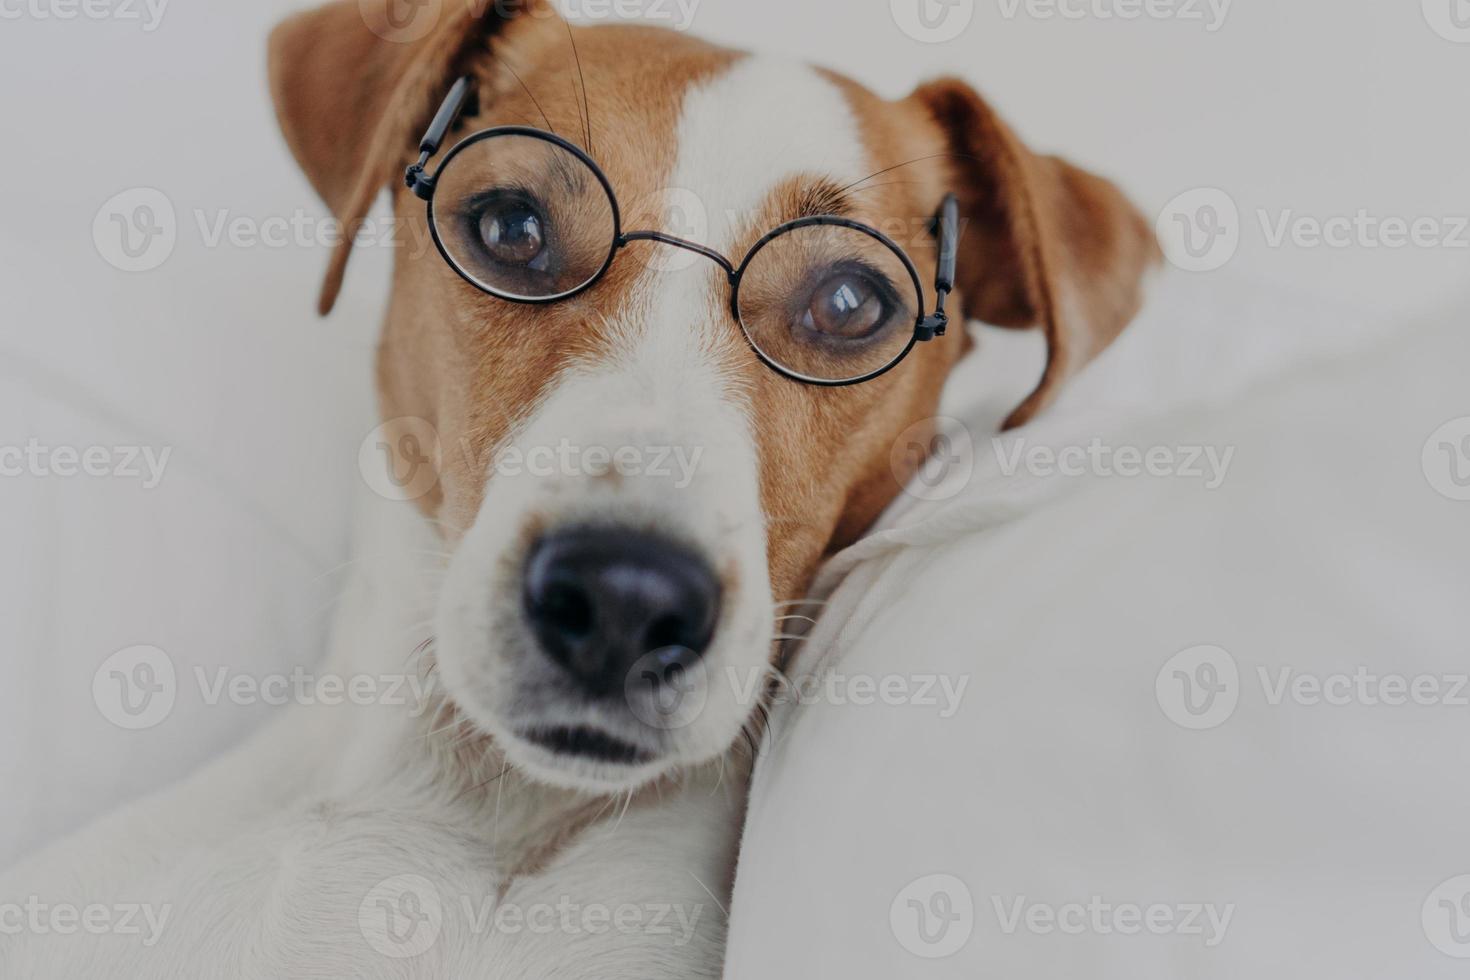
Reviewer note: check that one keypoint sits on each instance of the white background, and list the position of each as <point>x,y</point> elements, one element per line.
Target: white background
<point>1323,107</point>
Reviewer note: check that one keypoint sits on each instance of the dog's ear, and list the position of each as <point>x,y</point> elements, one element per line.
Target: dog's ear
<point>355,84</point>
<point>1043,244</point>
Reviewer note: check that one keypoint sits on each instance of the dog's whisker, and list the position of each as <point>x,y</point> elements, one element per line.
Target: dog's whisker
<point>584,112</point>
<point>513,74</point>
<point>499,793</point>
<point>890,183</point>
<point>710,894</point>
<point>906,163</point>
<point>626,805</point>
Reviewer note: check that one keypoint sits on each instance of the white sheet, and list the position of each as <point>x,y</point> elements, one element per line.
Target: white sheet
<point>1316,832</point>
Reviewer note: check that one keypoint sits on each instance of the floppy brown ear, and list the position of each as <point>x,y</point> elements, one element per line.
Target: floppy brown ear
<point>354,89</point>
<point>1043,244</point>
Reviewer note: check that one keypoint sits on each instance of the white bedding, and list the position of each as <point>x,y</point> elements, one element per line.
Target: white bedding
<point>1056,799</point>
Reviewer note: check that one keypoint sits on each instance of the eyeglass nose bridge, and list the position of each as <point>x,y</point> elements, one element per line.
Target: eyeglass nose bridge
<point>657,236</point>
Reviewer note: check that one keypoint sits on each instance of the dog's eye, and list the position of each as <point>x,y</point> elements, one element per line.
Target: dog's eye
<point>513,232</point>
<point>847,305</point>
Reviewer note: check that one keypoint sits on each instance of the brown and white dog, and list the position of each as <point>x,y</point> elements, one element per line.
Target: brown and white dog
<point>305,851</point>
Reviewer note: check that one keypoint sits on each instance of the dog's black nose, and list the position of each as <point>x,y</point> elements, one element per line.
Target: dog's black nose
<point>599,600</point>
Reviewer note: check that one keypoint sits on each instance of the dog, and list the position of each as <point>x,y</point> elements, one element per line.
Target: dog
<point>780,351</point>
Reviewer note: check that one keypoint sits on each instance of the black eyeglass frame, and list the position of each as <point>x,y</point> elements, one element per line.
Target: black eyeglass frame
<point>926,327</point>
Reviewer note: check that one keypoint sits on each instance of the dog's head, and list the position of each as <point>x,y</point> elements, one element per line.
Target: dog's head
<point>629,490</point>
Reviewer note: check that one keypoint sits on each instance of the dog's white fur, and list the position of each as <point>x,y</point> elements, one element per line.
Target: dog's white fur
<point>296,854</point>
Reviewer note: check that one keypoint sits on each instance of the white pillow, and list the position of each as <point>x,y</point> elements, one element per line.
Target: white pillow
<point>1062,804</point>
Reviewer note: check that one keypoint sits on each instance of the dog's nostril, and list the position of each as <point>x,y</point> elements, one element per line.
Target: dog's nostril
<point>669,631</point>
<point>600,600</point>
<point>568,606</point>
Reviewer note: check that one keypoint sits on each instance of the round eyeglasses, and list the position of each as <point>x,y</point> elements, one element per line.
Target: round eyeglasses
<point>529,217</point>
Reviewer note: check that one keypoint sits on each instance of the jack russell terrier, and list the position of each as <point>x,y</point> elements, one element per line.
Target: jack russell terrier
<point>550,815</point>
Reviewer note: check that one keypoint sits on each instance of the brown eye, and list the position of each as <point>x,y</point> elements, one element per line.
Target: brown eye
<point>513,234</point>
<point>846,306</point>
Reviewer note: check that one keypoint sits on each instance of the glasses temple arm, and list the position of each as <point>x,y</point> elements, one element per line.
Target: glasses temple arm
<point>949,244</point>
<point>417,180</point>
